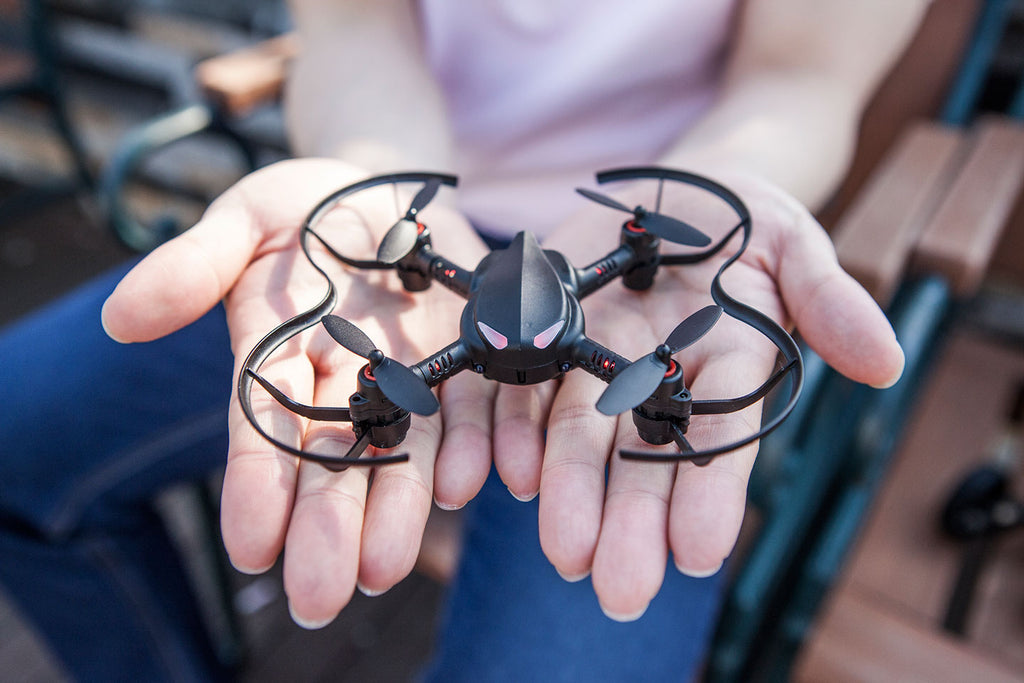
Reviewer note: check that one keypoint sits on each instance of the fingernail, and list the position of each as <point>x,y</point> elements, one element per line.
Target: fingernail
<point>699,573</point>
<point>369,592</point>
<point>252,571</point>
<point>574,578</point>
<point>896,376</point>
<point>305,623</point>
<point>624,618</point>
<point>524,499</point>
<point>106,330</point>
<point>448,506</point>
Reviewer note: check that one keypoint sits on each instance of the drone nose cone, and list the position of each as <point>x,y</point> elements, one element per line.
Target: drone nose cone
<point>522,299</point>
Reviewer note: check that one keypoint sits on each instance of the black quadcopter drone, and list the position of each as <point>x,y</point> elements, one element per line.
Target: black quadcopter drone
<point>523,323</point>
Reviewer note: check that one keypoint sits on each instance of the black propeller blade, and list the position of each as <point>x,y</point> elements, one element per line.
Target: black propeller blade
<point>640,379</point>
<point>665,227</point>
<point>422,198</point>
<point>603,199</point>
<point>400,240</point>
<point>401,385</point>
<point>693,328</point>
<point>632,386</point>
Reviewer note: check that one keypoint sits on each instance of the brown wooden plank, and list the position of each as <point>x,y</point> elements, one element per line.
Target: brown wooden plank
<point>960,240</point>
<point>10,9</point>
<point>914,90</point>
<point>241,80</point>
<point>1007,262</point>
<point>996,624</point>
<point>15,67</point>
<point>860,640</point>
<point>876,236</point>
<point>903,568</point>
<point>902,554</point>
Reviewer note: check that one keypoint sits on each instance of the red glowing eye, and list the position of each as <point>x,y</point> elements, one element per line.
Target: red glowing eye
<point>493,337</point>
<point>544,339</point>
<point>420,228</point>
<point>607,364</point>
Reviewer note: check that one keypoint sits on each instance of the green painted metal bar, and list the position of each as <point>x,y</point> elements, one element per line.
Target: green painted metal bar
<point>142,142</point>
<point>920,313</point>
<point>988,30</point>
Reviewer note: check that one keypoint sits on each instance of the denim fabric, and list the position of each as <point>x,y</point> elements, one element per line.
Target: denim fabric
<point>92,430</point>
<point>510,617</point>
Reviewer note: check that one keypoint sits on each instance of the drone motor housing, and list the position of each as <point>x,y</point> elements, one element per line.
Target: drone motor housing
<point>371,411</point>
<point>670,403</point>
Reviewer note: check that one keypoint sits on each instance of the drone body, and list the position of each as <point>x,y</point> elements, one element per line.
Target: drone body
<point>523,323</point>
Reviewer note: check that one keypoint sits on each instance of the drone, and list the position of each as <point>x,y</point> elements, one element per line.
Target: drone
<point>523,323</point>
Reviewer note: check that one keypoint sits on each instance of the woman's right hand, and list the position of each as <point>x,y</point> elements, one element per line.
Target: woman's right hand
<point>334,528</point>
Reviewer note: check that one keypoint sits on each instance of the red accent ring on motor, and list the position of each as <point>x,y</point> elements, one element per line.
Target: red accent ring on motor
<point>671,368</point>
<point>368,374</point>
<point>633,227</point>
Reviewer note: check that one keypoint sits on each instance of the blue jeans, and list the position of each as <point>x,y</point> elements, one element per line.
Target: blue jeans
<point>92,430</point>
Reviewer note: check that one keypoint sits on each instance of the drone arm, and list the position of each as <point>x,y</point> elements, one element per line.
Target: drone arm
<point>731,405</point>
<point>600,273</point>
<point>598,360</point>
<point>447,362</point>
<point>323,414</point>
<point>448,274</point>
<point>355,263</point>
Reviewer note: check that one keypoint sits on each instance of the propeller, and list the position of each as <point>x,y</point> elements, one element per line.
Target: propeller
<point>640,379</point>
<point>400,240</point>
<point>666,227</point>
<point>402,386</point>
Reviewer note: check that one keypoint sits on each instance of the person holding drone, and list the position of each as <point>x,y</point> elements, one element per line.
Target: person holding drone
<point>524,100</point>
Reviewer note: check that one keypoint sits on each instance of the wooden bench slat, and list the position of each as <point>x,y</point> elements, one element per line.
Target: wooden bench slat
<point>239,81</point>
<point>15,67</point>
<point>876,236</point>
<point>861,640</point>
<point>960,240</point>
<point>902,561</point>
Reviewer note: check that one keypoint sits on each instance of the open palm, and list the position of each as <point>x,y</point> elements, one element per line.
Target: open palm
<point>621,523</point>
<point>335,529</point>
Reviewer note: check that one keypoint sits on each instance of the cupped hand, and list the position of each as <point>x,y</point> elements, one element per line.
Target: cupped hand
<point>621,528</point>
<point>336,530</point>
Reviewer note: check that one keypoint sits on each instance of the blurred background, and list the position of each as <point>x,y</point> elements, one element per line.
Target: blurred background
<point>883,537</point>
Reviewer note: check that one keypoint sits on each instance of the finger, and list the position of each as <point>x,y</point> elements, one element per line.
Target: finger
<point>184,278</point>
<point>708,502</point>
<point>397,508</point>
<point>572,483</point>
<point>321,558</point>
<point>325,533</point>
<point>630,559</point>
<point>520,416</point>
<point>464,459</point>
<point>259,481</point>
<point>836,316</point>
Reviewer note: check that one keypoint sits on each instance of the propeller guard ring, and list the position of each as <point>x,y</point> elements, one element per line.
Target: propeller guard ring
<point>312,317</point>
